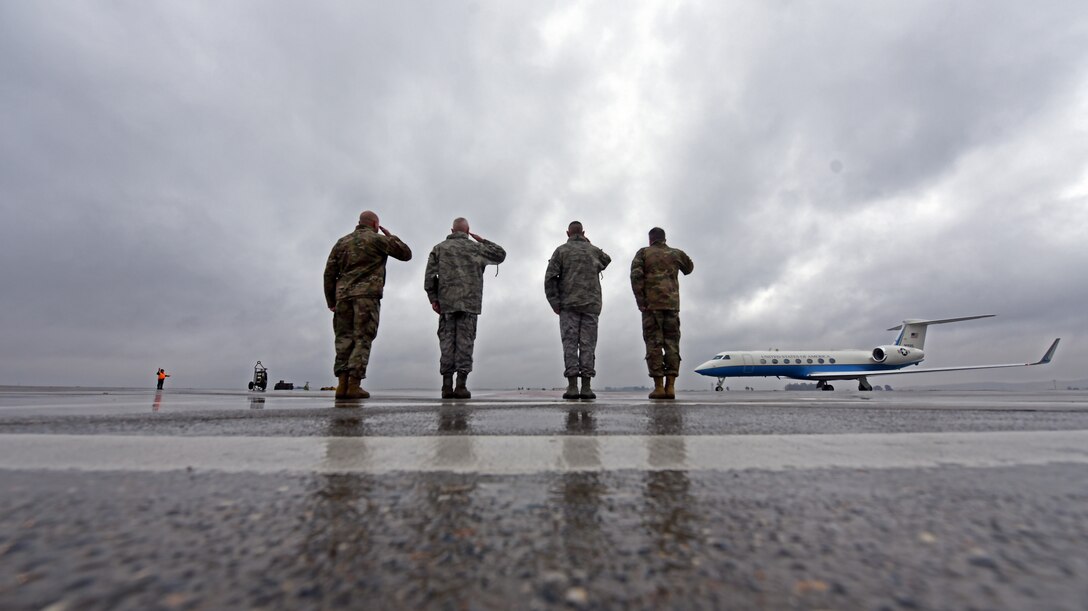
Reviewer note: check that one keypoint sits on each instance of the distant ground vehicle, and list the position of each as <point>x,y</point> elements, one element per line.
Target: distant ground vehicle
<point>260,377</point>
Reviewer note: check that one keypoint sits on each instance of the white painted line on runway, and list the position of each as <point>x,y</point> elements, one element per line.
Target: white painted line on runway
<point>504,455</point>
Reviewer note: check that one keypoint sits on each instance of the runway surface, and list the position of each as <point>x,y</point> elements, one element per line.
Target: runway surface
<point>133,499</point>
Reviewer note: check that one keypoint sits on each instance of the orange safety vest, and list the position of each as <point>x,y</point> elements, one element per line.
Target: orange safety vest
<point>162,375</point>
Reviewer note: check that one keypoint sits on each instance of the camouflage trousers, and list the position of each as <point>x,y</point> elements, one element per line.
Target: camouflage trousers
<point>661,332</point>
<point>579,333</point>
<point>456,337</point>
<point>355,323</point>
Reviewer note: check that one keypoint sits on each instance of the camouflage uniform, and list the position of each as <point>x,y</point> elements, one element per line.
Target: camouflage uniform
<point>455,279</point>
<point>572,285</point>
<point>657,292</point>
<point>456,338</point>
<point>354,282</point>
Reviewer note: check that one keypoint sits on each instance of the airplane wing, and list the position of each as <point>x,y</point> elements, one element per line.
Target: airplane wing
<point>859,373</point>
<point>943,320</point>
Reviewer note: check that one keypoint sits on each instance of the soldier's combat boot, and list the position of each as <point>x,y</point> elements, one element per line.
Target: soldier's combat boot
<point>461,391</point>
<point>659,388</point>
<point>355,391</point>
<point>341,385</point>
<point>587,391</point>
<point>670,387</point>
<point>572,388</point>
<point>447,386</point>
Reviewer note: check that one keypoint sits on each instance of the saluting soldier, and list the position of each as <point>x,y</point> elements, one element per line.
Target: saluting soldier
<point>572,284</point>
<point>656,285</point>
<point>354,284</point>
<point>454,281</point>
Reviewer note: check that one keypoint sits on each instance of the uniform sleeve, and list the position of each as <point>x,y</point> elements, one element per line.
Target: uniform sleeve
<point>638,279</point>
<point>551,281</point>
<point>684,260</point>
<point>430,277</point>
<point>332,273</point>
<point>398,249</point>
<point>492,252</point>
<point>603,257</point>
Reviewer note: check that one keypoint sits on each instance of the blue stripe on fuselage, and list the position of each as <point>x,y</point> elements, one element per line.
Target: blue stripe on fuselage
<point>797,372</point>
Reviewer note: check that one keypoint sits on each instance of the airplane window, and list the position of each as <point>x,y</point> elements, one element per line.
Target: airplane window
<point>762,361</point>
<point>775,361</point>
<point>725,357</point>
<point>831,360</point>
<point>819,360</point>
<point>810,361</point>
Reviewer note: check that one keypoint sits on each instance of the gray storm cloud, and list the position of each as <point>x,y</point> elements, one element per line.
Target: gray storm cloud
<point>172,177</point>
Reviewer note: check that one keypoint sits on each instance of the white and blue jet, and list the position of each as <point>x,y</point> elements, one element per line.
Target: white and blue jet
<point>823,366</point>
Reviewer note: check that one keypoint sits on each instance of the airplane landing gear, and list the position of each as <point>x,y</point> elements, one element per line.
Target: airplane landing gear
<point>718,388</point>
<point>823,385</point>
<point>863,384</point>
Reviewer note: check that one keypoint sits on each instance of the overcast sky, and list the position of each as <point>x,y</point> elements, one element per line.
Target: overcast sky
<point>173,175</point>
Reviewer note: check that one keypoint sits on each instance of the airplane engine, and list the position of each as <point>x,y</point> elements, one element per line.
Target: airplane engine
<point>896,355</point>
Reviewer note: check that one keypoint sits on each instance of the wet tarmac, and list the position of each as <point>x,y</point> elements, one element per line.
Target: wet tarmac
<point>122,499</point>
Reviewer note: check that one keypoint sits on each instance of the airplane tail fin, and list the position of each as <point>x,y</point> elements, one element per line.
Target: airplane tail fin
<point>912,333</point>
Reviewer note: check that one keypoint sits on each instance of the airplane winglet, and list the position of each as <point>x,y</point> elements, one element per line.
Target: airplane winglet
<point>1049,353</point>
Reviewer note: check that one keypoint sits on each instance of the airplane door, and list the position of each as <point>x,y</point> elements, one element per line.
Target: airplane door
<point>749,363</point>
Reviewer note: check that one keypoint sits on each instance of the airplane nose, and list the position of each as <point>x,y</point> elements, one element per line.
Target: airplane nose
<point>705,368</point>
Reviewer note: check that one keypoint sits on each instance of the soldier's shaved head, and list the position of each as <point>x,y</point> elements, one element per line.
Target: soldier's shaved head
<point>575,227</point>
<point>369,218</point>
<point>657,234</point>
<point>460,224</point>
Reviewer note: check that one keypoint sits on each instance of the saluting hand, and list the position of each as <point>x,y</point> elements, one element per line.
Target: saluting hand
<point>384,230</point>
<point>476,237</point>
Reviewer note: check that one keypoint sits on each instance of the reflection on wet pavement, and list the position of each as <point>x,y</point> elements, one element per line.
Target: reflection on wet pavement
<point>578,496</point>
<point>340,520</point>
<point>453,418</point>
<point>454,450</point>
<point>343,449</point>
<point>446,555</point>
<point>667,448</point>
<point>671,510</point>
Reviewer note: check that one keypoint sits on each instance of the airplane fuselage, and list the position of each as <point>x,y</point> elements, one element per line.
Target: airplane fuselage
<point>802,364</point>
